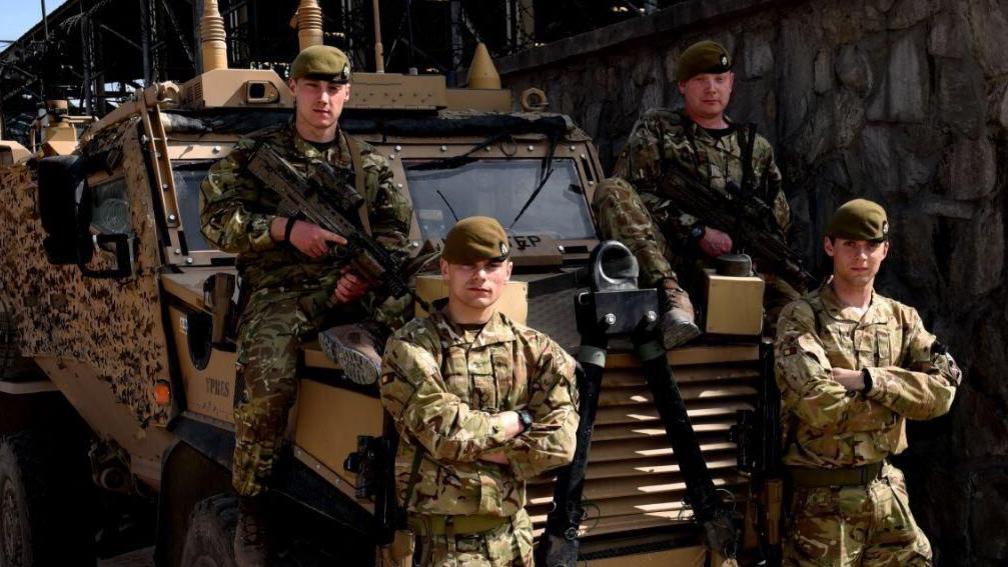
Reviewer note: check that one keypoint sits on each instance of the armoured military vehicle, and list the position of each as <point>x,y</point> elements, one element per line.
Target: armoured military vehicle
<point>117,383</point>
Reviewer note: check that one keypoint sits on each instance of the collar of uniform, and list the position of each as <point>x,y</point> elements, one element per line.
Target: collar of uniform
<point>497,330</point>
<point>337,154</point>
<point>834,307</point>
<point>697,130</point>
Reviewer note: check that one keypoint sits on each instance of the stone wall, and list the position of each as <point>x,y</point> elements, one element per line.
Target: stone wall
<point>901,101</point>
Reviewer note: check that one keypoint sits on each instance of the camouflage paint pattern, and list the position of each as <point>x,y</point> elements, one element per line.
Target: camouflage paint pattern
<point>112,325</point>
<point>855,525</point>
<point>507,546</point>
<point>269,335</point>
<point>236,210</point>
<point>661,136</point>
<point>289,290</point>
<point>443,386</point>
<point>635,219</point>
<point>827,427</point>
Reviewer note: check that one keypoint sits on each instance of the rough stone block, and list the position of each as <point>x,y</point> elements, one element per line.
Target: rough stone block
<point>988,518</point>
<point>757,56</point>
<point>949,208</point>
<point>969,170</point>
<point>903,94</point>
<point>977,262</point>
<point>794,68</point>
<point>945,38</point>
<point>878,160</point>
<point>985,24</point>
<point>853,69</point>
<point>961,97</point>
<point>906,13</point>
<point>1001,111</point>
<point>848,118</point>
<point>815,136</point>
<point>822,69</point>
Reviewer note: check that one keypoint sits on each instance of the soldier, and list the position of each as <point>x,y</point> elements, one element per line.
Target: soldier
<point>290,280</point>
<point>482,404</point>
<point>852,367</point>
<point>703,143</point>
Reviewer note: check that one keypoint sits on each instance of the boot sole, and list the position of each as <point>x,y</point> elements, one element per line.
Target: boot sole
<point>681,335</point>
<point>357,368</point>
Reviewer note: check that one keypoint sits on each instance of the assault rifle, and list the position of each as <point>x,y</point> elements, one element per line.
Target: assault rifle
<point>319,197</point>
<point>747,218</point>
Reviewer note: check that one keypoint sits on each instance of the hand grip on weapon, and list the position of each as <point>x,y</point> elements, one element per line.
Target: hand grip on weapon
<point>714,242</point>
<point>310,239</point>
<point>350,287</point>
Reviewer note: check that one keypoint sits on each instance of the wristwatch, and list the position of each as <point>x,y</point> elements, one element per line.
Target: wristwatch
<point>525,418</point>
<point>866,376</point>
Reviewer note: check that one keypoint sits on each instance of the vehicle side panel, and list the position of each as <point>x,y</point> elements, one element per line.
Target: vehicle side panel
<point>113,326</point>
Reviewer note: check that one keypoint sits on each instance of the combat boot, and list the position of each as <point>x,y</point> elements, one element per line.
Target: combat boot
<point>677,322</point>
<point>252,535</point>
<point>356,347</point>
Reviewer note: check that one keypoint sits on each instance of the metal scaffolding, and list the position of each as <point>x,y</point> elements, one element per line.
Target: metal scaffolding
<point>96,53</point>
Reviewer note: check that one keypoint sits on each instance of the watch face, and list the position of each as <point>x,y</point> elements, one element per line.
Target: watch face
<point>526,418</point>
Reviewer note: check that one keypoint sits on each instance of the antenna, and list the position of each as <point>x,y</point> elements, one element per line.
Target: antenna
<point>213,37</point>
<point>309,19</point>
<point>379,51</point>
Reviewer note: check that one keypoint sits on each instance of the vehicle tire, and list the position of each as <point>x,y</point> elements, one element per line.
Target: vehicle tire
<point>210,539</point>
<point>39,503</point>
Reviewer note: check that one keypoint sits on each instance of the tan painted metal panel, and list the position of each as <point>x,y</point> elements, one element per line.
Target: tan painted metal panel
<point>97,403</point>
<point>209,391</point>
<point>329,419</point>
<point>647,414</point>
<point>734,304</point>
<point>706,354</point>
<point>627,377</point>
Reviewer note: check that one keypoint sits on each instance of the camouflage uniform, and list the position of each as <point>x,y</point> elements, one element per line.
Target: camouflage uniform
<point>631,207</point>
<point>828,428</point>
<point>442,384</point>
<point>288,292</point>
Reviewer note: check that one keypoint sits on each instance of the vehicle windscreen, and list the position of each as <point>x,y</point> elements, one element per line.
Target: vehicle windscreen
<point>501,188</point>
<point>188,176</point>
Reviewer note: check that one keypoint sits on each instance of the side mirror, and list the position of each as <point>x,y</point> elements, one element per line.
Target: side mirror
<point>65,208</point>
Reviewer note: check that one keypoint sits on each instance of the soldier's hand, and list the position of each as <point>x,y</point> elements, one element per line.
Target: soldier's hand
<point>714,243</point>
<point>311,239</point>
<point>511,423</point>
<point>851,380</point>
<point>350,287</point>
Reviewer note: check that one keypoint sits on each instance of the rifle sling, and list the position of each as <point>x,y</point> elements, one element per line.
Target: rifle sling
<point>748,135</point>
<point>358,166</point>
<point>414,475</point>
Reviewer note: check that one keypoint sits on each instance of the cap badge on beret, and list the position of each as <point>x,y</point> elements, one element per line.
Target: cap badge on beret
<point>503,248</point>
<point>885,228</point>
<point>724,60</point>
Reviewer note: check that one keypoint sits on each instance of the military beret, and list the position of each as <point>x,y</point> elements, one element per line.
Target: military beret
<point>321,62</point>
<point>474,239</point>
<point>703,57</point>
<point>859,219</point>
